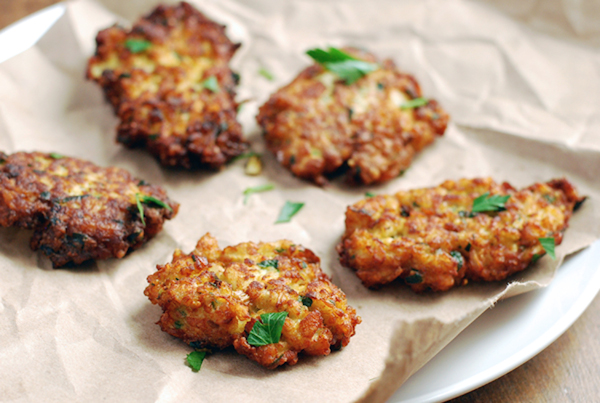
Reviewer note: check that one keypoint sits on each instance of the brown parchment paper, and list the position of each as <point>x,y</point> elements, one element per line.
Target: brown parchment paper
<point>520,79</point>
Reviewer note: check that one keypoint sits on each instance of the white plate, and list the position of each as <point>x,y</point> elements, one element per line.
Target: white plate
<point>507,335</point>
<point>497,342</point>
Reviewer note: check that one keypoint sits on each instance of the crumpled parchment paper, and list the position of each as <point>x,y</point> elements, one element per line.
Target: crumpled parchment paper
<point>520,80</point>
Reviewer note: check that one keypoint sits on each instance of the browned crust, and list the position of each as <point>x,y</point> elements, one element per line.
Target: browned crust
<point>158,93</point>
<point>429,237</point>
<point>315,129</point>
<point>77,210</point>
<point>212,297</point>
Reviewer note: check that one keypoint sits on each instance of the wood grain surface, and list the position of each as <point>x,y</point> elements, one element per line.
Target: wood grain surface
<point>566,371</point>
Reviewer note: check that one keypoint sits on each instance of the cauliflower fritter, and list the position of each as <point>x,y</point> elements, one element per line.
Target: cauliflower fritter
<point>170,84</point>
<point>77,210</point>
<point>317,124</point>
<point>432,239</point>
<point>213,298</point>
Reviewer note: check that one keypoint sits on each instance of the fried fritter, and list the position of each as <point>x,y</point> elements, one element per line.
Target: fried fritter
<point>213,298</point>
<point>432,239</point>
<point>77,210</point>
<point>170,84</point>
<point>317,124</point>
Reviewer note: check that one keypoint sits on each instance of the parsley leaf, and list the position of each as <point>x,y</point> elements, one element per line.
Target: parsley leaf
<point>274,263</point>
<point>414,103</point>
<point>370,194</point>
<point>257,189</point>
<point>139,199</point>
<point>347,67</point>
<point>212,84</point>
<point>195,359</point>
<point>266,74</point>
<point>137,45</point>
<point>56,156</point>
<point>548,245</point>
<point>485,202</point>
<point>268,329</point>
<point>288,211</point>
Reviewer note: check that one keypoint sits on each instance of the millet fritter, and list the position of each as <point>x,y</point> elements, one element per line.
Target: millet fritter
<point>170,84</point>
<point>213,298</point>
<point>318,124</point>
<point>432,239</point>
<point>77,210</point>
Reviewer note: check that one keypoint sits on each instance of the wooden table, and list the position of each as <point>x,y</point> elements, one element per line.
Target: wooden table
<point>567,371</point>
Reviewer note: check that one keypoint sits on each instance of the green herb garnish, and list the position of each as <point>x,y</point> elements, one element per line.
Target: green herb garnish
<point>456,255</point>
<point>195,359</point>
<point>485,202</point>
<point>137,45</point>
<point>274,263</point>
<point>288,211</point>
<point>212,84</point>
<point>56,156</point>
<point>245,155</point>
<point>266,74</point>
<point>154,200</point>
<point>268,329</point>
<point>257,189</point>
<point>347,67</point>
<point>370,194</point>
<point>415,277</point>
<point>306,301</point>
<point>548,245</point>
<point>414,103</point>
<point>139,199</point>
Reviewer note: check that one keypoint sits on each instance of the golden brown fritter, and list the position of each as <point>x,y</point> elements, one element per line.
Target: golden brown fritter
<point>431,239</point>
<point>317,124</point>
<point>213,298</point>
<point>170,84</point>
<point>77,210</point>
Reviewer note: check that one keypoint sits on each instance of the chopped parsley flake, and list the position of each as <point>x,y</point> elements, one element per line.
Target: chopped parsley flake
<point>137,45</point>
<point>370,194</point>
<point>212,84</point>
<point>548,245</point>
<point>257,189</point>
<point>274,263</point>
<point>288,211</point>
<point>266,74</point>
<point>458,258</point>
<point>415,277</point>
<point>268,329</point>
<point>485,202</point>
<point>245,155</point>
<point>306,301</point>
<point>195,359</point>
<point>414,103</point>
<point>139,199</point>
<point>56,156</point>
<point>345,66</point>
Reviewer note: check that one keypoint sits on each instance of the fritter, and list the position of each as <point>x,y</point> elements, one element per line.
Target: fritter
<point>318,125</point>
<point>170,84</point>
<point>77,210</point>
<point>432,238</point>
<point>214,298</point>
